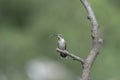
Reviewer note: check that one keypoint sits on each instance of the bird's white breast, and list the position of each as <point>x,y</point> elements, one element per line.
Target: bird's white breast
<point>61,44</point>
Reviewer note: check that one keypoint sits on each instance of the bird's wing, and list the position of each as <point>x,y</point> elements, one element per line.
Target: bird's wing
<point>65,45</point>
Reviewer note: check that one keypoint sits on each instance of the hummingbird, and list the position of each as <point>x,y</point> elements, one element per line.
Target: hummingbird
<point>61,44</point>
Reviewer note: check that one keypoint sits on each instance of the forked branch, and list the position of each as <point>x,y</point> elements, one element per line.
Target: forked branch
<point>96,43</point>
<point>74,57</point>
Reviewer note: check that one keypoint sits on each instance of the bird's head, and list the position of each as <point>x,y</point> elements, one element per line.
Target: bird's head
<point>59,36</point>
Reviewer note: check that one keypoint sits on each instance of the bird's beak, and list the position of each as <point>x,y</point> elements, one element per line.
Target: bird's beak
<point>53,35</point>
<point>56,35</point>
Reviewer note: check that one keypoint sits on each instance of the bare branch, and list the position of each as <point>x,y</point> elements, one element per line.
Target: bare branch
<point>74,57</point>
<point>96,41</point>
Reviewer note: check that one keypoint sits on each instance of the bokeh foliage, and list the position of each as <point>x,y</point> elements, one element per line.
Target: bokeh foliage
<point>26,26</point>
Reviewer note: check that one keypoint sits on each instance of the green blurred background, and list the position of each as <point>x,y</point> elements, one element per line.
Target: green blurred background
<point>26,26</point>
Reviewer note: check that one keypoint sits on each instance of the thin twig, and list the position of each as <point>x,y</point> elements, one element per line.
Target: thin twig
<point>74,57</point>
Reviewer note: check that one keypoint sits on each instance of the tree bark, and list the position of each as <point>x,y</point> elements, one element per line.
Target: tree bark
<point>96,44</point>
<point>96,41</point>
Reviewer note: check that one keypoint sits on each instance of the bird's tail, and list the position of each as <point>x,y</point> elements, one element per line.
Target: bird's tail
<point>63,55</point>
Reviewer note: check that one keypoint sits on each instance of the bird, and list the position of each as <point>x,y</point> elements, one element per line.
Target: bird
<point>61,44</point>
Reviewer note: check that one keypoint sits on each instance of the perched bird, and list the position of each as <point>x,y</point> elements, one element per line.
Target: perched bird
<point>61,44</point>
